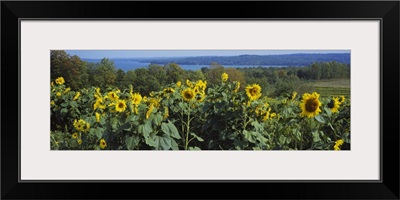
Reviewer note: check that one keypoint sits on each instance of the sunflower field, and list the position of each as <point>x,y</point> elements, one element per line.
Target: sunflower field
<point>191,116</point>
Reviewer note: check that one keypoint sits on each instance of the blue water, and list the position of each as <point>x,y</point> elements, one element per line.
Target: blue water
<point>127,65</point>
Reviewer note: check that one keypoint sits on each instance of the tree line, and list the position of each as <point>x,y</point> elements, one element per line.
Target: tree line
<point>275,81</point>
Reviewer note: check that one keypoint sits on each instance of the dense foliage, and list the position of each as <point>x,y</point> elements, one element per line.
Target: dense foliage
<point>190,115</point>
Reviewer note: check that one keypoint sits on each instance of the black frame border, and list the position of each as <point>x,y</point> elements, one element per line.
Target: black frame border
<point>387,12</point>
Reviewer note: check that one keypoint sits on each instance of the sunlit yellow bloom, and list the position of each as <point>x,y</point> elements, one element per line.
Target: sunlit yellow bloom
<point>201,86</point>
<point>148,113</point>
<point>52,103</point>
<point>77,96</point>
<point>338,144</point>
<point>113,96</point>
<point>81,125</point>
<point>136,98</point>
<point>58,94</point>
<point>273,115</point>
<point>168,90</point>
<point>200,97</point>
<point>179,84</point>
<point>99,104</point>
<point>120,106</point>
<point>151,94</point>
<point>79,141</point>
<point>341,100</point>
<point>67,90</point>
<point>237,86</point>
<point>52,84</point>
<point>224,77</point>
<point>98,117</point>
<point>166,112</point>
<point>154,101</point>
<point>189,84</point>
<point>187,94</point>
<point>334,105</point>
<point>267,115</point>
<point>75,135</point>
<point>253,91</point>
<point>310,105</point>
<point>103,144</point>
<point>60,80</point>
<point>144,99</point>
<point>98,92</point>
<point>294,95</point>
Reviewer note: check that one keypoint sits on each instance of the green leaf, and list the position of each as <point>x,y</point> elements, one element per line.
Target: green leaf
<point>152,142</point>
<point>170,129</point>
<point>157,119</point>
<point>197,137</point>
<point>131,118</point>
<point>73,104</point>
<point>147,129</point>
<point>174,145</point>
<point>282,140</point>
<point>131,142</point>
<point>64,110</point>
<point>320,119</point>
<point>248,135</point>
<point>328,111</point>
<point>164,142</point>
<point>316,137</point>
<point>194,149</point>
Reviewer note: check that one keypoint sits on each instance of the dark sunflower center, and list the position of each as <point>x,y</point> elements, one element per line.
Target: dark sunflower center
<point>120,105</point>
<point>188,95</point>
<point>331,104</point>
<point>253,92</point>
<point>103,143</point>
<point>312,105</point>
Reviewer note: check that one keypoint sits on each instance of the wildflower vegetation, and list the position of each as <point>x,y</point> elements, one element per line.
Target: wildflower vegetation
<point>100,108</point>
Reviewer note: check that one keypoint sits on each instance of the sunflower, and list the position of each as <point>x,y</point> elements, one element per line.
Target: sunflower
<point>188,94</point>
<point>334,105</point>
<point>120,106</point>
<point>294,95</point>
<point>224,77</point>
<point>253,91</point>
<point>79,141</point>
<point>237,86</point>
<point>99,104</point>
<point>98,91</point>
<point>341,100</point>
<point>189,84</point>
<point>75,135</point>
<point>155,102</point>
<point>58,94</point>
<point>178,84</point>
<point>151,107</point>
<point>87,127</point>
<point>52,84</point>
<point>267,115</point>
<point>338,144</point>
<point>77,96</point>
<point>200,97</point>
<point>310,105</point>
<point>60,80</point>
<point>113,96</point>
<point>67,90</point>
<point>168,90</point>
<point>80,125</point>
<point>52,103</point>
<point>98,117</point>
<point>136,98</point>
<point>166,112</point>
<point>103,144</point>
<point>201,85</point>
<point>273,115</point>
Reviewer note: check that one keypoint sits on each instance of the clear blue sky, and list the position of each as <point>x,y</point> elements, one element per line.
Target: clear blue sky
<point>185,53</point>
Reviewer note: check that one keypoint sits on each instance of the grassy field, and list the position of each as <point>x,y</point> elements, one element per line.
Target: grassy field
<point>337,87</point>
